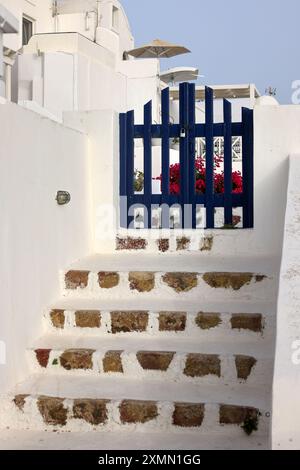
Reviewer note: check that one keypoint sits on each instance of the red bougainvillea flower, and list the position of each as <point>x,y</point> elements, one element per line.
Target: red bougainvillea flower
<point>200,176</point>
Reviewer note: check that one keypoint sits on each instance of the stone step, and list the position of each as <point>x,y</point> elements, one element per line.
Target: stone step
<point>154,303</point>
<point>85,414</point>
<point>168,360</point>
<point>194,242</point>
<point>165,365</point>
<point>179,262</point>
<point>130,276</point>
<point>135,343</point>
<point>188,324</point>
<point>122,440</point>
<point>73,404</point>
<point>234,286</point>
<point>110,387</point>
<point>202,243</point>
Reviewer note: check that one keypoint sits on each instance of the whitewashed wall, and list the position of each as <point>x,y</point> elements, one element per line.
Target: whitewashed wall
<point>83,77</point>
<point>277,135</point>
<point>37,237</point>
<point>96,21</point>
<point>2,79</point>
<point>38,10</point>
<point>286,385</point>
<point>102,127</point>
<point>71,73</point>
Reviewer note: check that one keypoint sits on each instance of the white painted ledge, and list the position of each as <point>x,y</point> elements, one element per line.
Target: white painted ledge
<point>286,386</point>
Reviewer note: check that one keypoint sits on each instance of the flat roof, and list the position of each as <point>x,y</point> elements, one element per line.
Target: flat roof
<point>221,91</point>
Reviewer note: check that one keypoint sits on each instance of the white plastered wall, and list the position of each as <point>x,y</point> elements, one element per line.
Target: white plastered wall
<point>67,72</point>
<point>38,238</point>
<point>102,128</point>
<point>286,384</point>
<point>40,11</point>
<point>276,136</point>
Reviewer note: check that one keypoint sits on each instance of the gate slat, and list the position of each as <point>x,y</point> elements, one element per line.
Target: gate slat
<point>147,163</point>
<point>209,141</point>
<point>165,157</point>
<point>227,110</point>
<point>184,148</point>
<point>192,148</point>
<point>247,165</point>
<point>130,161</point>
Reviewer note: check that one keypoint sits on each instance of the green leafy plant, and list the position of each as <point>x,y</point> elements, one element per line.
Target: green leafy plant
<point>235,221</point>
<point>138,181</point>
<point>250,424</point>
<point>55,362</point>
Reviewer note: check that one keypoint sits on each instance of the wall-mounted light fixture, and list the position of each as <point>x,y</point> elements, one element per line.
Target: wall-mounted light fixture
<point>63,197</point>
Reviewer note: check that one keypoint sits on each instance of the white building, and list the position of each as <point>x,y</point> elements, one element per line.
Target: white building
<point>69,56</point>
<point>92,339</point>
<point>8,25</point>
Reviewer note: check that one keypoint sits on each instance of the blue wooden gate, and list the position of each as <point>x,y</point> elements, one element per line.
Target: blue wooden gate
<point>186,131</point>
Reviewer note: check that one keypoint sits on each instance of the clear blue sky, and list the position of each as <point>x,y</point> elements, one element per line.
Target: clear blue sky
<point>232,41</point>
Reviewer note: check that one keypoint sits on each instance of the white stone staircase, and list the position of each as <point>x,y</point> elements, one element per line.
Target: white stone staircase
<point>180,344</point>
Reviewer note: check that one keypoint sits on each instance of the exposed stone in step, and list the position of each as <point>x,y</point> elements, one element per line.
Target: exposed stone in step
<point>181,282</point>
<point>135,411</point>
<point>228,280</point>
<point>244,366</point>
<point>91,410</point>
<point>163,244</point>
<point>207,321</point>
<point>20,401</point>
<point>188,415</point>
<point>131,243</point>
<point>247,321</point>
<point>153,360</point>
<point>141,281</point>
<point>200,365</point>
<point>88,318</point>
<point>112,362</point>
<point>172,321</point>
<point>108,280</point>
<point>76,279</point>
<point>42,356</point>
<point>77,359</point>
<point>94,411</point>
<point>260,278</point>
<point>53,410</point>
<point>182,243</point>
<point>231,414</point>
<point>58,318</point>
<point>128,322</point>
<point>206,243</point>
